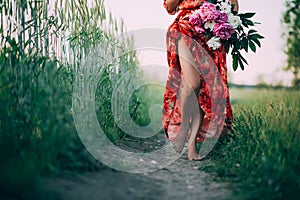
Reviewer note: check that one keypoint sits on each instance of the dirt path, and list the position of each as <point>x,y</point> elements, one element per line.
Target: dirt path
<point>181,180</point>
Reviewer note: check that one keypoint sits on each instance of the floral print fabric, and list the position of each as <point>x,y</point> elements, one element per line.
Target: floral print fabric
<point>213,97</point>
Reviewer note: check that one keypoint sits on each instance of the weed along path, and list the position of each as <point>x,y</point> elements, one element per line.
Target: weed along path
<point>181,180</point>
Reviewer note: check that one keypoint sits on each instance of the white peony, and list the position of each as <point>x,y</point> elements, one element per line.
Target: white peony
<point>210,25</point>
<point>214,43</point>
<point>225,7</point>
<point>234,21</point>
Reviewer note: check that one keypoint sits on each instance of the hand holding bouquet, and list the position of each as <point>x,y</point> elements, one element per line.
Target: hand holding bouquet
<point>216,20</point>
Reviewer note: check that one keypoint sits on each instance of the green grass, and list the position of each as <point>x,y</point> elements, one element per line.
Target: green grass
<point>147,96</point>
<point>261,157</point>
<point>38,138</point>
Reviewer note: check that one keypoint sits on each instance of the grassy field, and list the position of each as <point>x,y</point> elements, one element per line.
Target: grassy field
<point>261,158</point>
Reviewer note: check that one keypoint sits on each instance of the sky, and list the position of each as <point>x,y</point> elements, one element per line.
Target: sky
<point>266,64</point>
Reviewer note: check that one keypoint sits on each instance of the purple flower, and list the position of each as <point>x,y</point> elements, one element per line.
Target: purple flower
<point>199,29</point>
<point>223,18</point>
<point>209,12</point>
<point>195,18</point>
<point>223,31</point>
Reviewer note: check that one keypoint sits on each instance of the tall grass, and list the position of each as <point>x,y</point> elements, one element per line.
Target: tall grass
<point>42,48</point>
<point>262,155</point>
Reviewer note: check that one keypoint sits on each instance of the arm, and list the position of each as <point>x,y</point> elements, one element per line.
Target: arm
<point>236,5</point>
<point>171,6</point>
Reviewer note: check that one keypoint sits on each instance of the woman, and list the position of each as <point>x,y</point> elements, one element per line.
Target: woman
<point>196,99</point>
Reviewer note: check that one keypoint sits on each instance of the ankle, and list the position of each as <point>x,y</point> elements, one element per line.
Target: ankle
<point>192,149</point>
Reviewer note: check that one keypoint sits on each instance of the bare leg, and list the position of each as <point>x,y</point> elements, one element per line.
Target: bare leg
<point>190,90</point>
<point>188,103</point>
<point>196,123</point>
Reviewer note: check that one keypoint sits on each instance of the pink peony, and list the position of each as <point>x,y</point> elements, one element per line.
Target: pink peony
<point>195,18</point>
<point>199,29</point>
<point>209,12</point>
<point>223,18</point>
<point>223,31</point>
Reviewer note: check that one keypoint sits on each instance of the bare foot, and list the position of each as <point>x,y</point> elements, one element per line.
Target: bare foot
<point>179,141</point>
<point>193,155</point>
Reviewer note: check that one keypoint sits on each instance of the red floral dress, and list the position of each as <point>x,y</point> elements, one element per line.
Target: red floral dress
<point>211,65</point>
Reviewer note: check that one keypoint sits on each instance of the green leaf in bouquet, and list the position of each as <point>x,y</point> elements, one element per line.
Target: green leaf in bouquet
<point>251,31</point>
<point>245,44</point>
<point>257,36</point>
<point>240,29</point>
<point>246,15</point>
<point>240,60</point>
<point>241,63</point>
<point>212,1</point>
<point>243,59</point>
<point>247,22</point>
<point>235,42</point>
<point>252,46</point>
<point>237,45</point>
<point>244,38</point>
<point>235,60</point>
<point>242,33</point>
<point>256,41</point>
<point>227,46</point>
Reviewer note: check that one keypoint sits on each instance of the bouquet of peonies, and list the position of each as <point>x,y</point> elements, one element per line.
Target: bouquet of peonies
<point>216,20</point>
